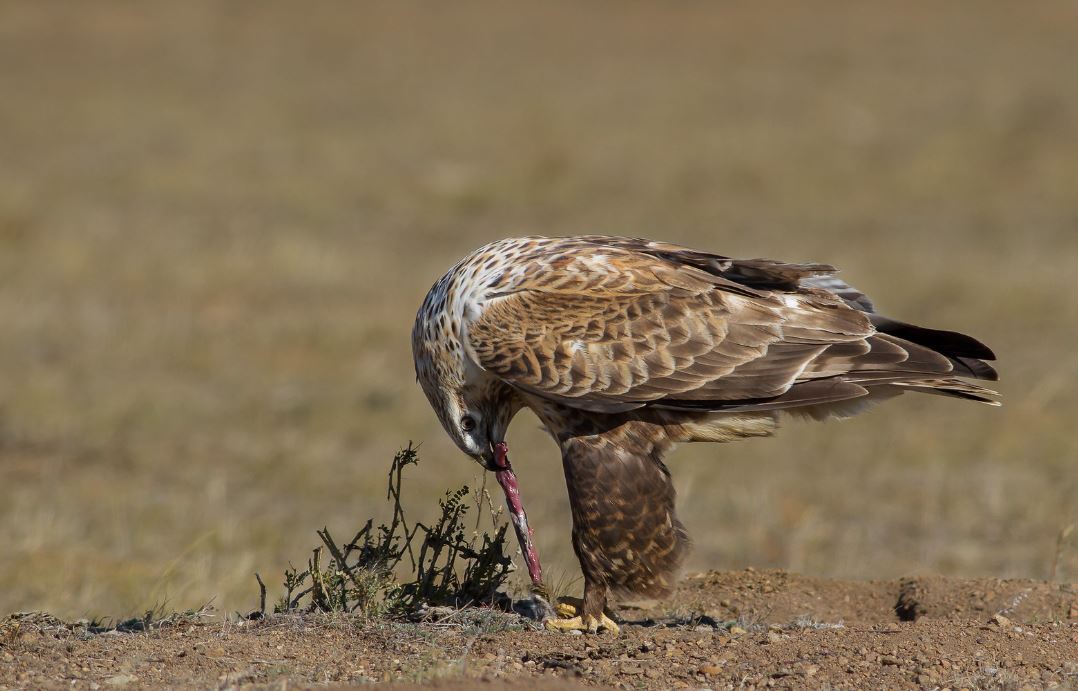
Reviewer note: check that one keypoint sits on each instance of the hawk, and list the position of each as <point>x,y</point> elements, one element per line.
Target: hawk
<point>625,347</point>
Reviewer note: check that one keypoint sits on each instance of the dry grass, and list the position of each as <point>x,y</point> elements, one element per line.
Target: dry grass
<point>403,568</point>
<point>217,220</point>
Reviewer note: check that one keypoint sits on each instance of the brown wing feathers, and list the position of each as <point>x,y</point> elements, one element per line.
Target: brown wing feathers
<point>680,335</point>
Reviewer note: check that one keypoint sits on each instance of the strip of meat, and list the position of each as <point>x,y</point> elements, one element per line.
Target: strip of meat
<point>508,480</point>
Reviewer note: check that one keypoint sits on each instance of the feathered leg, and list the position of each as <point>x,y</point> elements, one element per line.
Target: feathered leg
<point>625,532</point>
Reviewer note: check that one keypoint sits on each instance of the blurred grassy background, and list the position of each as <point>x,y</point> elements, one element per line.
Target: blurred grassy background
<point>218,219</point>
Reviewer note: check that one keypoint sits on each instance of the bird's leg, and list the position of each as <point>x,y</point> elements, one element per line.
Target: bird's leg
<point>588,614</point>
<point>625,532</point>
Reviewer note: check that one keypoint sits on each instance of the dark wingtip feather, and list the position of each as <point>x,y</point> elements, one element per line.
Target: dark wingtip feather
<point>977,369</point>
<point>949,343</point>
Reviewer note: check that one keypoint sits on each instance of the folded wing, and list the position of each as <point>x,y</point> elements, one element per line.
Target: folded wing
<point>617,324</point>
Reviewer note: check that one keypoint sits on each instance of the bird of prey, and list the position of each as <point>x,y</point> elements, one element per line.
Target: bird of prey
<point>624,347</point>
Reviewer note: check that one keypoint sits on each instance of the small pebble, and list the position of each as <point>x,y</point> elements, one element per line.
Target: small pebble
<point>1000,621</point>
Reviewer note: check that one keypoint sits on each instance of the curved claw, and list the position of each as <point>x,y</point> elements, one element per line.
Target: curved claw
<point>569,607</point>
<point>571,618</point>
<point>584,622</point>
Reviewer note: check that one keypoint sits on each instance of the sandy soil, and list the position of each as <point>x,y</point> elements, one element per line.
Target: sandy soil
<point>744,629</point>
<point>217,221</point>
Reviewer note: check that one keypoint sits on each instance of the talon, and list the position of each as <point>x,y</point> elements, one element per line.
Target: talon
<point>569,607</point>
<point>609,624</point>
<point>584,622</point>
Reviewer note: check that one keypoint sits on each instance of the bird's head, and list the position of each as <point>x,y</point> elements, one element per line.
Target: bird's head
<point>474,407</point>
<point>475,417</point>
<point>478,425</point>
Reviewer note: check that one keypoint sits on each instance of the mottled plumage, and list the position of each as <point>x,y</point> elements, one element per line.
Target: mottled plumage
<point>624,347</point>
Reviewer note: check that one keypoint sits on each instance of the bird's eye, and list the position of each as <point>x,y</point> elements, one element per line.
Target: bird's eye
<point>467,423</point>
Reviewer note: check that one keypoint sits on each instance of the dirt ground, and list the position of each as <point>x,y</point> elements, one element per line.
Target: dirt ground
<point>743,629</point>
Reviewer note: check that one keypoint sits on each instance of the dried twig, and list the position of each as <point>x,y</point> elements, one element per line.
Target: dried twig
<point>261,596</point>
<point>449,565</point>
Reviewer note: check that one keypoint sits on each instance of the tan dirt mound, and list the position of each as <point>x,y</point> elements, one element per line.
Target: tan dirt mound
<point>745,629</point>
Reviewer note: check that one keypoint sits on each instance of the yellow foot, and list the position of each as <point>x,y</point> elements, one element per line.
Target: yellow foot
<point>569,607</point>
<point>584,623</point>
<point>569,620</point>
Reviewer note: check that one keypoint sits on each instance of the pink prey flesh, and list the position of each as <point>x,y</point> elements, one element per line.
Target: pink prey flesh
<point>508,480</point>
